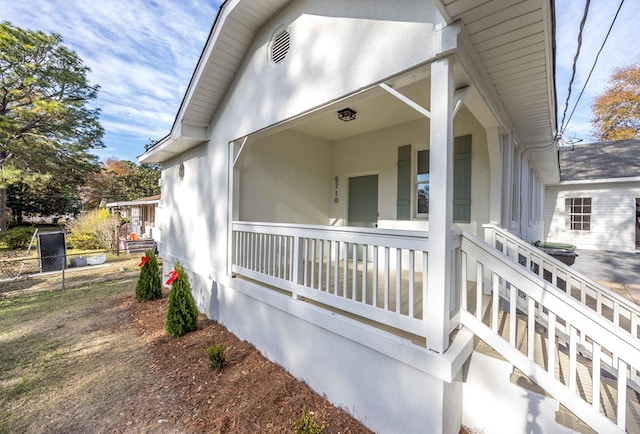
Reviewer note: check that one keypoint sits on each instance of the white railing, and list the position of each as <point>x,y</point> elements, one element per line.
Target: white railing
<point>381,276</point>
<point>617,309</point>
<point>377,274</point>
<point>528,296</point>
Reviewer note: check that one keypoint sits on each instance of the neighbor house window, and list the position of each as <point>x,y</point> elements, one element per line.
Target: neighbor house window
<point>578,213</point>
<point>422,184</point>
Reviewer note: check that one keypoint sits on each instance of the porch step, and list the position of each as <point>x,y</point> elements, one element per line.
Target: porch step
<point>138,246</point>
<point>608,386</point>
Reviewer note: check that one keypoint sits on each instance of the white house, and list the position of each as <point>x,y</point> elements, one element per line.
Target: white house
<point>594,204</point>
<point>354,188</point>
<point>142,214</point>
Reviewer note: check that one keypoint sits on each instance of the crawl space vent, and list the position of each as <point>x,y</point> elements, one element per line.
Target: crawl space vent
<point>280,46</point>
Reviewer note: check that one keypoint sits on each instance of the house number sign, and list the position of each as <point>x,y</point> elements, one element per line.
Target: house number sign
<point>335,199</point>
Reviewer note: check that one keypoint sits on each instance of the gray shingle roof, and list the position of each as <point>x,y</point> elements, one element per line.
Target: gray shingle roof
<point>601,160</point>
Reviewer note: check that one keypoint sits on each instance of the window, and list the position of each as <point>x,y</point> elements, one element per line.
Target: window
<point>578,213</point>
<point>422,184</point>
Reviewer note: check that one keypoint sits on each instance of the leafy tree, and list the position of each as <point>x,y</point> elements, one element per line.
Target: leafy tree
<point>143,181</point>
<point>616,113</point>
<point>46,126</point>
<point>120,180</point>
<point>149,284</point>
<point>182,313</point>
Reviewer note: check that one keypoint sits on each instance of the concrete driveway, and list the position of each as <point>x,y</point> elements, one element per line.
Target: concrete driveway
<point>619,271</point>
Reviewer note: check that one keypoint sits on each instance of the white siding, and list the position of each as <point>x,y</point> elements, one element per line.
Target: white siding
<point>612,219</point>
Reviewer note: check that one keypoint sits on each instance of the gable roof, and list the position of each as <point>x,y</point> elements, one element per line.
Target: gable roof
<point>601,161</point>
<point>229,40</point>
<point>513,43</point>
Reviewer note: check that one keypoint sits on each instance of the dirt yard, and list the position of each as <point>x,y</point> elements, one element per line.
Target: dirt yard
<point>91,359</point>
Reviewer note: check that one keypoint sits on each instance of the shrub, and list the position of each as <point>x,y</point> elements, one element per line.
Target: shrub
<point>307,424</point>
<point>215,354</point>
<point>182,313</point>
<point>149,285</point>
<point>18,238</point>
<point>93,230</point>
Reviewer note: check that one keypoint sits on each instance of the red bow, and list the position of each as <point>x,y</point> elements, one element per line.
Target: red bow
<point>173,275</point>
<point>143,261</point>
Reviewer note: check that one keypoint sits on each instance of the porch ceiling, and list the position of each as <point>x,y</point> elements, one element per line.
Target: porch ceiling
<point>377,109</point>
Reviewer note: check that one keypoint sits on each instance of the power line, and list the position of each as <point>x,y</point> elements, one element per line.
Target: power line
<point>575,60</point>
<point>594,65</point>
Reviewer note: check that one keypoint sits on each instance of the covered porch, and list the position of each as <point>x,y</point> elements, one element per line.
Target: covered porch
<point>351,214</point>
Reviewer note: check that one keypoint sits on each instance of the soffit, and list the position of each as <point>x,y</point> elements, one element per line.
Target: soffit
<point>232,35</point>
<point>515,43</point>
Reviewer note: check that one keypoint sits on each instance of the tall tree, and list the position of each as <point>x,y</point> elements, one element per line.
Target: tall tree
<point>120,180</point>
<point>616,113</point>
<point>46,125</point>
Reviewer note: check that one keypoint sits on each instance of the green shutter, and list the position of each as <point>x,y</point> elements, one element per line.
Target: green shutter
<point>462,179</point>
<point>404,183</point>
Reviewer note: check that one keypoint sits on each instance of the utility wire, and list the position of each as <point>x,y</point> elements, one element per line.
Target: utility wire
<point>575,61</point>
<point>594,65</point>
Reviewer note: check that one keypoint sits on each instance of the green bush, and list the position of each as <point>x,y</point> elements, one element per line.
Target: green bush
<point>182,313</point>
<point>93,230</point>
<point>215,354</point>
<point>307,424</point>
<point>149,285</point>
<point>18,238</point>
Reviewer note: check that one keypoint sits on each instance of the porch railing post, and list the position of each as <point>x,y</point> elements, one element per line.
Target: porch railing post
<point>296,263</point>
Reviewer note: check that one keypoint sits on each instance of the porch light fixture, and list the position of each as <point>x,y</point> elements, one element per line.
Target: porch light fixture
<point>346,114</point>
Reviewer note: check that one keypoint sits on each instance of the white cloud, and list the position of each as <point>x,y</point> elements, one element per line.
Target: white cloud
<point>142,53</point>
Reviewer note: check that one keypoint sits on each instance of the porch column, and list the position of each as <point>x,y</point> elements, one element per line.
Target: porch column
<point>440,205</point>
<point>494,143</point>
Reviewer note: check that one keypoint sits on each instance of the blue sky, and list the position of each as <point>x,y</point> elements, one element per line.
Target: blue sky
<point>142,53</point>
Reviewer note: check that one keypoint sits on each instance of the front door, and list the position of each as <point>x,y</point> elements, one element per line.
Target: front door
<point>363,201</point>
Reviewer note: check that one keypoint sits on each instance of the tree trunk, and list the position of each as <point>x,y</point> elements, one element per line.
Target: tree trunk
<point>3,193</point>
<point>3,209</point>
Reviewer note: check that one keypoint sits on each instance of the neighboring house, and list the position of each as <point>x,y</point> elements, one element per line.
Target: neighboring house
<point>142,216</point>
<point>354,188</point>
<point>594,204</point>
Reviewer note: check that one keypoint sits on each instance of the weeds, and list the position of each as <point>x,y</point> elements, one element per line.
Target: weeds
<point>215,354</point>
<point>307,423</point>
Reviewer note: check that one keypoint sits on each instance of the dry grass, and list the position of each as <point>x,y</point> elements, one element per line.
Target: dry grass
<point>64,353</point>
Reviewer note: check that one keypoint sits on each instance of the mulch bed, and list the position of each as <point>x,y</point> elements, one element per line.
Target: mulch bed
<point>250,394</point>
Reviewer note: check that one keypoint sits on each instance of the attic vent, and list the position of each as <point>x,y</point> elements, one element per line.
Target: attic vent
<point>280,46</point>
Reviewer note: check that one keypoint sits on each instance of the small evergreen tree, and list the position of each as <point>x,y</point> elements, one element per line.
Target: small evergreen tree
<point>182,314</point>
<point>149,285</point>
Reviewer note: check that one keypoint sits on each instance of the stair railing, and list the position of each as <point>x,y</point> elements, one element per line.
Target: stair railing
<point>527,295</point>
